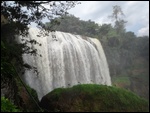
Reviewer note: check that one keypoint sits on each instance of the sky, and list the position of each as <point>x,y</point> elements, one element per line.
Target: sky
<point>136,13</point>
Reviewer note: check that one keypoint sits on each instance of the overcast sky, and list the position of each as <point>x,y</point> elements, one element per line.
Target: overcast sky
<point>136,13</point>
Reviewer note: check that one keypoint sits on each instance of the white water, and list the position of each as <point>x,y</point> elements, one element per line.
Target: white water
<point>66,60</point>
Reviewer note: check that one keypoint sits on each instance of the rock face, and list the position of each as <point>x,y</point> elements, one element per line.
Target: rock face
<point>26,101</point>
<point>17,94</point>
<point>9,89</point>
<point>92,98</point>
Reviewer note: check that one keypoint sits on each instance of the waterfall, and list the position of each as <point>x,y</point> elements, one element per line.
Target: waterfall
<point>66,60</point>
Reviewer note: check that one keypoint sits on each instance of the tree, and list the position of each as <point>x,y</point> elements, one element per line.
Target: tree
<point>74,25</point>
<point>25,12</point>
<point>104,29</point>
<point>117,16</point>
<point>120,26</point>
<point>116,13</point>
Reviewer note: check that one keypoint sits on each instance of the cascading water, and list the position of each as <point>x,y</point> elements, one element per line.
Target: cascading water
<point>66,60</point>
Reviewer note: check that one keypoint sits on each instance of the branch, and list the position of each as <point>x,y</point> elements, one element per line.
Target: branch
<point>37,3</point>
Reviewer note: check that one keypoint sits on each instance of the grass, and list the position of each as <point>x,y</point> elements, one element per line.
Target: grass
<point>121,81</point>
<point>93,98</point>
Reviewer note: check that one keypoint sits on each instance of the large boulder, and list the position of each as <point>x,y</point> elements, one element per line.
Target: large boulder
<point>93,98</point>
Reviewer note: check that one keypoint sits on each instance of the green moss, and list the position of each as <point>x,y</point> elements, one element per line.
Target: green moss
<point>92,98</point>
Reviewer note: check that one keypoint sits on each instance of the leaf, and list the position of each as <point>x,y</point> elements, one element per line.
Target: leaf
<point>2,45</point>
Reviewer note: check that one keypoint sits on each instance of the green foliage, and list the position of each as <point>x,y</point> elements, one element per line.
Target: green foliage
<point>73,25</point>
<point>33,93</point>
<point>93,98</point>
<point>117,11</point>
<point>7,106</point>
<point>121,81</point>
<point>34,11</point>
<point>119,22</point>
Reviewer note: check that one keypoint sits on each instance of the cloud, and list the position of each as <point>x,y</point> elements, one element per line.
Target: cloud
<point>143,31</point>
<point>102,20</point>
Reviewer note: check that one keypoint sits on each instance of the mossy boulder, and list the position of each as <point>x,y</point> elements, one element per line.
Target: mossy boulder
<point>93,98</point>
